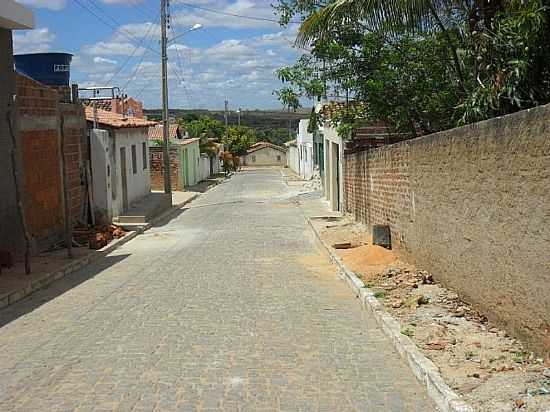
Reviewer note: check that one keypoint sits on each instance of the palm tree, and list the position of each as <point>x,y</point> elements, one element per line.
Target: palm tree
<point>396,16</point>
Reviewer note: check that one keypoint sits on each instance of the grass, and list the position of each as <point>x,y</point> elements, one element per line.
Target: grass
<point>380,294</point>
<point>408,332</point>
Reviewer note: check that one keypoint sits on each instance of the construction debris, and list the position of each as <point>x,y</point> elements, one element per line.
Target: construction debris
<point>101,236</point>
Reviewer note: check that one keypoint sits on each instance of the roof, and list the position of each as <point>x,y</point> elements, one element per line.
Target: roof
<point>156,132</point>
<point>184,142</point>
<point>264,145</point>
<point>291,143</point>
<point>331,108</point>
<point>115,120</point>
<point>15,16</point>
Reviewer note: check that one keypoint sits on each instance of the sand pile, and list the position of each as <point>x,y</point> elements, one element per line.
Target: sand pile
<point>367,258</point>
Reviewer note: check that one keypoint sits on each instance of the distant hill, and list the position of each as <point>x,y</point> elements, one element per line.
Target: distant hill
<point>258,119</point>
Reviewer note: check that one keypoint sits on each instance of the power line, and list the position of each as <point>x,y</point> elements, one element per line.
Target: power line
<point>225,13</point>
<point>129,36</point>
<point>133,53</point>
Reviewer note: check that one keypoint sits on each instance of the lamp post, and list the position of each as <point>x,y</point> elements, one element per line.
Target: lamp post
<point>164,69</point>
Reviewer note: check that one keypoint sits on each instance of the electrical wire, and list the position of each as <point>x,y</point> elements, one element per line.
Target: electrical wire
<point>133,53</point>
<point>225,13</point>
<point>129,36</point>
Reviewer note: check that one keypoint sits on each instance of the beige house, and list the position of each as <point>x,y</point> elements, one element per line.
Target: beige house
<point>264,154</point>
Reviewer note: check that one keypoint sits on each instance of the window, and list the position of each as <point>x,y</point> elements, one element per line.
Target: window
<point>144,154</point>
<point>253,159</point>
<point>134,159</point>
<point>278,158</point>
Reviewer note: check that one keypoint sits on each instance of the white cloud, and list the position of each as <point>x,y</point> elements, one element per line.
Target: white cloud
<point>33,41</point>
<point>102,60</point>
<point>113,49</point>
<point>46,4</point>
<point>257,9</point>
<point>130,2</point>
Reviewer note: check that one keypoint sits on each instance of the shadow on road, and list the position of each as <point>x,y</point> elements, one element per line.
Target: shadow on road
<point>57,288</point>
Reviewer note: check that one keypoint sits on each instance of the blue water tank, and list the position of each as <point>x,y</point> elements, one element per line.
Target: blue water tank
<point>52,69</point>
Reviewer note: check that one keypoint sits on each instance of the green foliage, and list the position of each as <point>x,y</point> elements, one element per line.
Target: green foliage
<point>512,62</point>
<point>203,128</point>
<point>278,136</point>
<point>421,65</point>
<point>239,139</point>
<point>289,98</point>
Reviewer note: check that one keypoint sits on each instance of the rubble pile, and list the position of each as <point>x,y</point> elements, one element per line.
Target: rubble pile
<point>100,236</point>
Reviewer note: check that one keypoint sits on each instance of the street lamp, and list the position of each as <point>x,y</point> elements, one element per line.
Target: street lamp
<point>195,26</point>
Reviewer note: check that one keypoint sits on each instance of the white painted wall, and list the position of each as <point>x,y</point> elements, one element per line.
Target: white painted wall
<point>204,167</point>
<point>304,142</point>
<point>293,159</point>
<point>139,184</point>
<point>332,171</point>
<point>101,174</point>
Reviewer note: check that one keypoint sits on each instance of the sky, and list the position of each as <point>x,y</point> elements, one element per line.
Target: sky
<point>116,43</point>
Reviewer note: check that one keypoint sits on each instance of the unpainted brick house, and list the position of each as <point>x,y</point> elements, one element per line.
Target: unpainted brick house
<point>51,151</point>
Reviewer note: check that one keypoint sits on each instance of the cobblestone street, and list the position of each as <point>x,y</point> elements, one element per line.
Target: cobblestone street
<point>230,306</point>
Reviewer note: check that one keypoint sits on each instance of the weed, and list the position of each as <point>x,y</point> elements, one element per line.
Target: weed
<point>408,332</point>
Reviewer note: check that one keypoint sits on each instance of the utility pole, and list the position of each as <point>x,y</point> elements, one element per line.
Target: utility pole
<point>239,116</point>
<point>165,125</point>
<point>225,115</point>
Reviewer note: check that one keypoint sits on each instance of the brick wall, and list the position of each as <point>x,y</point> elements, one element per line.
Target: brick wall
<point>471,205</point>
<point>39,121</point>
<point>157,168</point>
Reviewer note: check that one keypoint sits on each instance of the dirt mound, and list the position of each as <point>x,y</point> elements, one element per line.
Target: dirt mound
<point>364,258</point>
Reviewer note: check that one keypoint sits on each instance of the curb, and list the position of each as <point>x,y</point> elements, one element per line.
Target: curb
<point>424,369</point>
<point>48,278</point>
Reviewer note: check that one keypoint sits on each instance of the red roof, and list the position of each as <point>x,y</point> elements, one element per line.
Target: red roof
<point>156,132</point>
<point>115,120</point>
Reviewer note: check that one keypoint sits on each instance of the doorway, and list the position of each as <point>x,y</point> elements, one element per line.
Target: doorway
<point>124,178</point>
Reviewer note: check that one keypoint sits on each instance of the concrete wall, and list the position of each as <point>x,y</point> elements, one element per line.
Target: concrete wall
<point>191,171</point>
<point>266,156</point>
<point>472,206</point>
<point>11,233</point>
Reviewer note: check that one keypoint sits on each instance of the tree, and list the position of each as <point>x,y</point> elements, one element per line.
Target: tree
<point>424,65</point>
<point>239,139</point>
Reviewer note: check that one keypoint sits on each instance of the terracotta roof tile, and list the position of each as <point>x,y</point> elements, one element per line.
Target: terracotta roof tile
<point>156,132</point>
<point>115,120</point>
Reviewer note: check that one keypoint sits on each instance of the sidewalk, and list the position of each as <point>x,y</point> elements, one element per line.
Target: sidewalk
<point>48,267</point>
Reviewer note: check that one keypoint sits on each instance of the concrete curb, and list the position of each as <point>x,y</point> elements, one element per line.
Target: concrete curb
<point>77,264</point>
<point>424,369</point>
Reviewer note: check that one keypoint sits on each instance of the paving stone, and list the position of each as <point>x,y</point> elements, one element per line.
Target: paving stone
<point>215,310</point>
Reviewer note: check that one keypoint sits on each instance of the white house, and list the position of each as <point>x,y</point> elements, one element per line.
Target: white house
<point>333,153</point>
<point>119,161</point>
<point>264,154</point>
<point>304,143</point>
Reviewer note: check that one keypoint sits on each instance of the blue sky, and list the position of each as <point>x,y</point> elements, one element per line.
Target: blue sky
<point>229,56</point>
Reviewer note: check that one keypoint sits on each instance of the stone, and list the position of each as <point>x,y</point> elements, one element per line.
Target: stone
<point>546,372</point>
<point>519,403</point>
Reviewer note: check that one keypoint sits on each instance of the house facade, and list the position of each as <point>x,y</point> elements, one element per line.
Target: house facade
<point>264,154</point>
<point>119,161</point>
<point>185,164</point>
